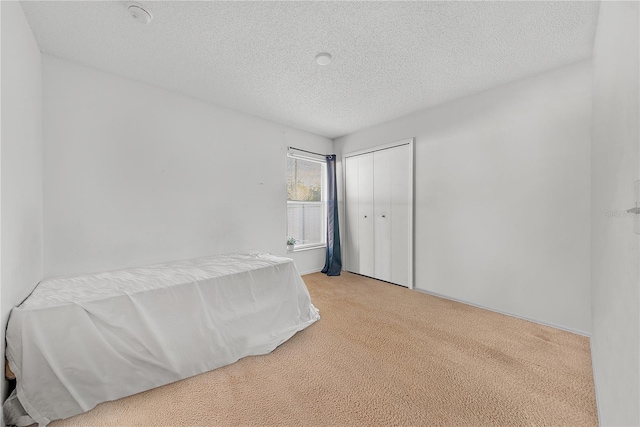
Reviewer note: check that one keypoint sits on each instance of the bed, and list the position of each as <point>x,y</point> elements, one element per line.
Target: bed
<point>78,341</point>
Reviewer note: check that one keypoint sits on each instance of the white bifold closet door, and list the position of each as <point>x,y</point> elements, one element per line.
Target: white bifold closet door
<point>379,202</point>
<point>359,210</point>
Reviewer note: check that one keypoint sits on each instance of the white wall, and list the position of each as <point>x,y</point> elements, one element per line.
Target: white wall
<point>502,188</point>
<point>134,174</point>
<point>21,163</point>
<point>615,254</point>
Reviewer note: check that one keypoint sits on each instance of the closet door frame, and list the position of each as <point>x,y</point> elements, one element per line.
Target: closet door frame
<point>410,142</point>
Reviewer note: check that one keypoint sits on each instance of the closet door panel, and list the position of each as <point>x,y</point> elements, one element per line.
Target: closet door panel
<point>400,206</point>
<point>382,213</point>
<point>365,210</point>
<point>378,213</point>
<point>352,215</point>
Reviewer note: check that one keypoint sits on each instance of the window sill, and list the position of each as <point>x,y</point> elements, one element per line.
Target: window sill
<point>308,248</point>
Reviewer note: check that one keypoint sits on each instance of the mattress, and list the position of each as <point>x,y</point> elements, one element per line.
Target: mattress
<point>78,341</point>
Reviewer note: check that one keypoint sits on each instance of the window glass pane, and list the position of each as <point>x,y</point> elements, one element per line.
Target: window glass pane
<point>305,206</point>
<point>304,180</point>
<point>305,222</point>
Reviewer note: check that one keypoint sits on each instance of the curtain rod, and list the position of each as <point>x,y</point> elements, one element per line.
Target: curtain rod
<point>305,151</point>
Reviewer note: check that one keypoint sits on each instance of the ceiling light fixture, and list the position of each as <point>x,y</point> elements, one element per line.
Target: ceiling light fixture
<point>139,13</point>
<point>323,58</point>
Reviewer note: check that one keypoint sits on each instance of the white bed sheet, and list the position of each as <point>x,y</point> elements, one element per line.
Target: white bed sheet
<point>79,341</point>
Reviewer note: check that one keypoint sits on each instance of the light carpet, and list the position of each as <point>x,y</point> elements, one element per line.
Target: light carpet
<point>383,355</point>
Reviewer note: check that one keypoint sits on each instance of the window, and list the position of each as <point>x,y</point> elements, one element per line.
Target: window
<point>306,211</point>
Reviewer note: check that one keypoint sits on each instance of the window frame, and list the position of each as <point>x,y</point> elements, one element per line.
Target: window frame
<point>322,203</point>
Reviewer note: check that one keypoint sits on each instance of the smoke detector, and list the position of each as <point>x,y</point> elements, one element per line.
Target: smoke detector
<point>139,13</point>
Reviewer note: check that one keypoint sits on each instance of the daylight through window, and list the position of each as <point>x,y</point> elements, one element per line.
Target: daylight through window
<point>306,201</point>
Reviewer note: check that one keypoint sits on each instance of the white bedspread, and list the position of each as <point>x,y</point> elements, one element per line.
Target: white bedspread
<point>79,341</point>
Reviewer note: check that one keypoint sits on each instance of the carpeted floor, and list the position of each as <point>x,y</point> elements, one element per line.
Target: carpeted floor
<point>383,355</point>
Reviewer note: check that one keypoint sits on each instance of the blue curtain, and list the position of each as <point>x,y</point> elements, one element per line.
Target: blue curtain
<point>333,263</point>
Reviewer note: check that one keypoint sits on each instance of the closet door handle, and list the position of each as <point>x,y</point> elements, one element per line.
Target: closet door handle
<point>383,216</point>
<point>365,216</point>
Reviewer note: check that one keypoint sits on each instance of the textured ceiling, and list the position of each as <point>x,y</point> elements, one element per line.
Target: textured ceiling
<point>390,58</point>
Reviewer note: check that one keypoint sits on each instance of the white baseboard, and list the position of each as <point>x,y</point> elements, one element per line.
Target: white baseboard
<point>311,271</point>
<point>553,325</point>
